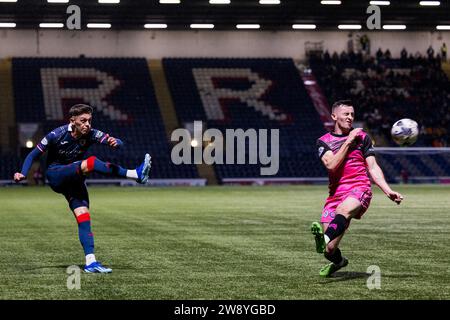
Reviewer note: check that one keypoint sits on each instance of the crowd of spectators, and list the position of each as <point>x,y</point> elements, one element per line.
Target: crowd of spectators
<point>385,89</point>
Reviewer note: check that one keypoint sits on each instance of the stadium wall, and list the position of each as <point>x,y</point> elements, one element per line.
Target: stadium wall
<point>159,44</point>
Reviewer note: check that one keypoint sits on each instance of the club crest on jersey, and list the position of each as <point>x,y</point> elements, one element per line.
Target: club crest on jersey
<point>321,150</point>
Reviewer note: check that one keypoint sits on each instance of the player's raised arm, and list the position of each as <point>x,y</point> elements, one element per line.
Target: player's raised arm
<point>334,161</point>
<point>114,142</point>
<point>378,177</point>
<point>104,138</point>
<point>33,155</point>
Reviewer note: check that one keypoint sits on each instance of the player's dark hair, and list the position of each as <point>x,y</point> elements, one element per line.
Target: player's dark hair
<point>79,109</point>
<point>341,103</point>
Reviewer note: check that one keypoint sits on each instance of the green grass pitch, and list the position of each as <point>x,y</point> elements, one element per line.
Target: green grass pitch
<point>221,243</point>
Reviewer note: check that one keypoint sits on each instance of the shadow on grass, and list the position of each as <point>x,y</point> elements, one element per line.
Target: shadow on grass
<point>59,266</point>
<point>65,266</point>
<point>347,275</point>
<point>351,275</point>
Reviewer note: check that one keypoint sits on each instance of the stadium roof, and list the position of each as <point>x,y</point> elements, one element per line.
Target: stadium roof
<point>133,14</point>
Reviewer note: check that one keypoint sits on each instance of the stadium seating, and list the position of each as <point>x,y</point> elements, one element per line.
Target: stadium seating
<point>223,93</point>
<point>121,92</point>
<point>385,90</point>
<point>9,165</point>
<point>250,93</point>
<point>416,164</point>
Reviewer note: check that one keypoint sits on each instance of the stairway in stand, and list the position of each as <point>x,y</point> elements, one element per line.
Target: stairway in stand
<point>7,115</point>
<point>169,115</point>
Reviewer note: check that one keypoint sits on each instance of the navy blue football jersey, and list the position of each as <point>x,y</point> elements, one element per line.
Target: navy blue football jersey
<point>64,149</point>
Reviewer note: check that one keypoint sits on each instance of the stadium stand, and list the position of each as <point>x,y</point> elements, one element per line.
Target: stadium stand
<point>250,93</point>
<point>9,165</point>
<point>229,94</point>
<point>7,121</point>
<point>424,165</point>
<point>121,91</point>
<point>385,90</point>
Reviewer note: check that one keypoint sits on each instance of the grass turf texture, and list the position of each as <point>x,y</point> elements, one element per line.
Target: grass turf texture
<point>221,243</point>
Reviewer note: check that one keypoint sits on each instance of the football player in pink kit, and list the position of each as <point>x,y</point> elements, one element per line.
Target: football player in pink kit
<point>348,155</point>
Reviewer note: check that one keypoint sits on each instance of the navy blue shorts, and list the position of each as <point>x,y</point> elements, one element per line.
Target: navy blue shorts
<point>70,182</point>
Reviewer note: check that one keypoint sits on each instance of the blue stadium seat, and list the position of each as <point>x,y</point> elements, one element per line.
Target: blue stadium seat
<point>121,92</point>
<point>277,82</point>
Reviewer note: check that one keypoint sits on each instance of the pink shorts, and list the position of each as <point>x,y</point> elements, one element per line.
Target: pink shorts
<point>363,195</point>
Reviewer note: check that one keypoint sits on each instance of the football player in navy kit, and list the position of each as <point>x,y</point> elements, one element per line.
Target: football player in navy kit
<point>67,169</point>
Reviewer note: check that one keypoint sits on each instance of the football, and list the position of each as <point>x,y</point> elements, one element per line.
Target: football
<point>405,132</point>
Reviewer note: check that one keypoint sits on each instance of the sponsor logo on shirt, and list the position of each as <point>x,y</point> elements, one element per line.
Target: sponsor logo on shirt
<point>99,134</point>
<point>321,150</point>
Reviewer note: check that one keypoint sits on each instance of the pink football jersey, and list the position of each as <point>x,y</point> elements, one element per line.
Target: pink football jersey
<point>353,170</point>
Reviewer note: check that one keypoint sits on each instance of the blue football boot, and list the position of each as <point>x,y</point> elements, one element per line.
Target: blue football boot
<point>144,169</point>
<point>96,267</point>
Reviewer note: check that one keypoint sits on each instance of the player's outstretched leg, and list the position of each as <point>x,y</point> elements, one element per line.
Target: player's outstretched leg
<point>317,231</point>
<point>140,174</point>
